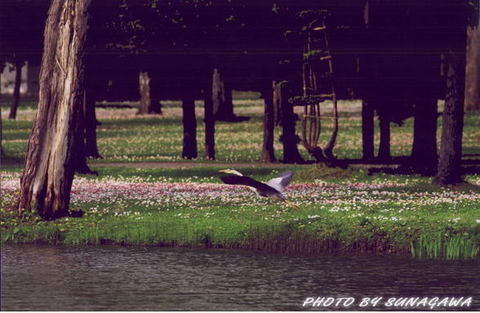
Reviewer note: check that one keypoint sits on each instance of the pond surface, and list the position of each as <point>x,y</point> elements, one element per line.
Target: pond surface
<point>37,277</point>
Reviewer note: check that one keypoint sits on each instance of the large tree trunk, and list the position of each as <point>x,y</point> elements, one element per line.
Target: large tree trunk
<point>268,153</point>
<point>449,163</point>
<point>189,129</point>
<point>384,145</point>
<point>288,138</point>
<point>16,90</point>
<point>424,147</point>
<point>209,119</point>
<point>50,161</point>
<point>472,75</point>
<point>368,131</point>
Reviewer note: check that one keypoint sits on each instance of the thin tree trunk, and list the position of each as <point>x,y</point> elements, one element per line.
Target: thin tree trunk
<point>368,131</point>
<point>80,147</point>
<point>424,147</point>
<point>333,138</point>
<point>225,105</point>
<point>91,147</point>
<point>209,120</point>
<point>472,75</point>
<point>50,161</point>
<point>32,80</point>
<point>449,163</point>
<point>384,145</point>
<point>268,152</point>
<point>156,105</point>
<point>155,95</point>
<point>189,129</point>
<point>218,92</point>
<point>1,125</point>
<point>227,110</point>
<point>288,138</point>
<point>1,131</point>
<point>144,88</point>
<point>16,90</point>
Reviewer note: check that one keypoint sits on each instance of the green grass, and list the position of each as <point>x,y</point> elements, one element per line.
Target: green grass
<point>125,137</point>
<point>344,212</point>
<point>340,210</point>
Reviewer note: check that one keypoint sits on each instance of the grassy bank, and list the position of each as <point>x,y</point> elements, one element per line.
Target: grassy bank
<point>340,211</point>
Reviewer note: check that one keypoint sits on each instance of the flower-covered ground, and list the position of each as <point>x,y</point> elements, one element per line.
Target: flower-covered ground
<point>127,137</point>
<point>334,210</point>
<point>356,212</point>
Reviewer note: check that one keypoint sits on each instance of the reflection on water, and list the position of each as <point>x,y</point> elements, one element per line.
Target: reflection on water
<point>36,277</point>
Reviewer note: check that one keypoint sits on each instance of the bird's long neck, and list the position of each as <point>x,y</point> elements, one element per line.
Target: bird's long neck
<point>236,173</point>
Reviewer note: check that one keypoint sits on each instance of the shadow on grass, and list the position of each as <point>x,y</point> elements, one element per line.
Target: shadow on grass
<point>11,163</point>
<point>429,187</point>
<point>196,173</point>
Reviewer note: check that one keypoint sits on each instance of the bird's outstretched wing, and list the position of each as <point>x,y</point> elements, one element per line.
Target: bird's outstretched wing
<point>280,182</point>
<point>241,180</point>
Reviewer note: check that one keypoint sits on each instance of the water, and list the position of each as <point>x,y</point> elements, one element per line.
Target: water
<point>36,277</point>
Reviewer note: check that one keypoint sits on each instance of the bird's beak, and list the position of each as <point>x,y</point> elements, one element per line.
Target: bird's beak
<point>224,171</point>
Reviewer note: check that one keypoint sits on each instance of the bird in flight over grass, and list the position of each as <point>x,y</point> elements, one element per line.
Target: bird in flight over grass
<point>271,189</point>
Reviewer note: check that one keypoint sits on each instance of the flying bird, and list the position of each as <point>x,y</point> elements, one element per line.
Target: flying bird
<point>271,189</point>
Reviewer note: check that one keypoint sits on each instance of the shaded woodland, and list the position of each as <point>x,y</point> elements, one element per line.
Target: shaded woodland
<point>399,58</point>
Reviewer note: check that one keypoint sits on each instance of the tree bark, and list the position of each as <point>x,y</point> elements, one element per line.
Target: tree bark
<point>449,163</point>
<point>1,131</point>
<point>155,95</point>
<point>224,109</point>
<point>288,138</point>
<point>156,105</point>
<point>1,125</point>
<point>384,145</point>
<point>218,92</point>
<point>144,88</point>
<point>368,131</point>
<point>149,94</point>
<point>16,90</point>
<point>268,152</point>
<point>424,148</point>
<point>80,141</point>
<point>189,129</point>
<point>328,151</point>
<point>32,80</point>
<point>50,158</point>
<point>472,75</point>
<point>209,119</point>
